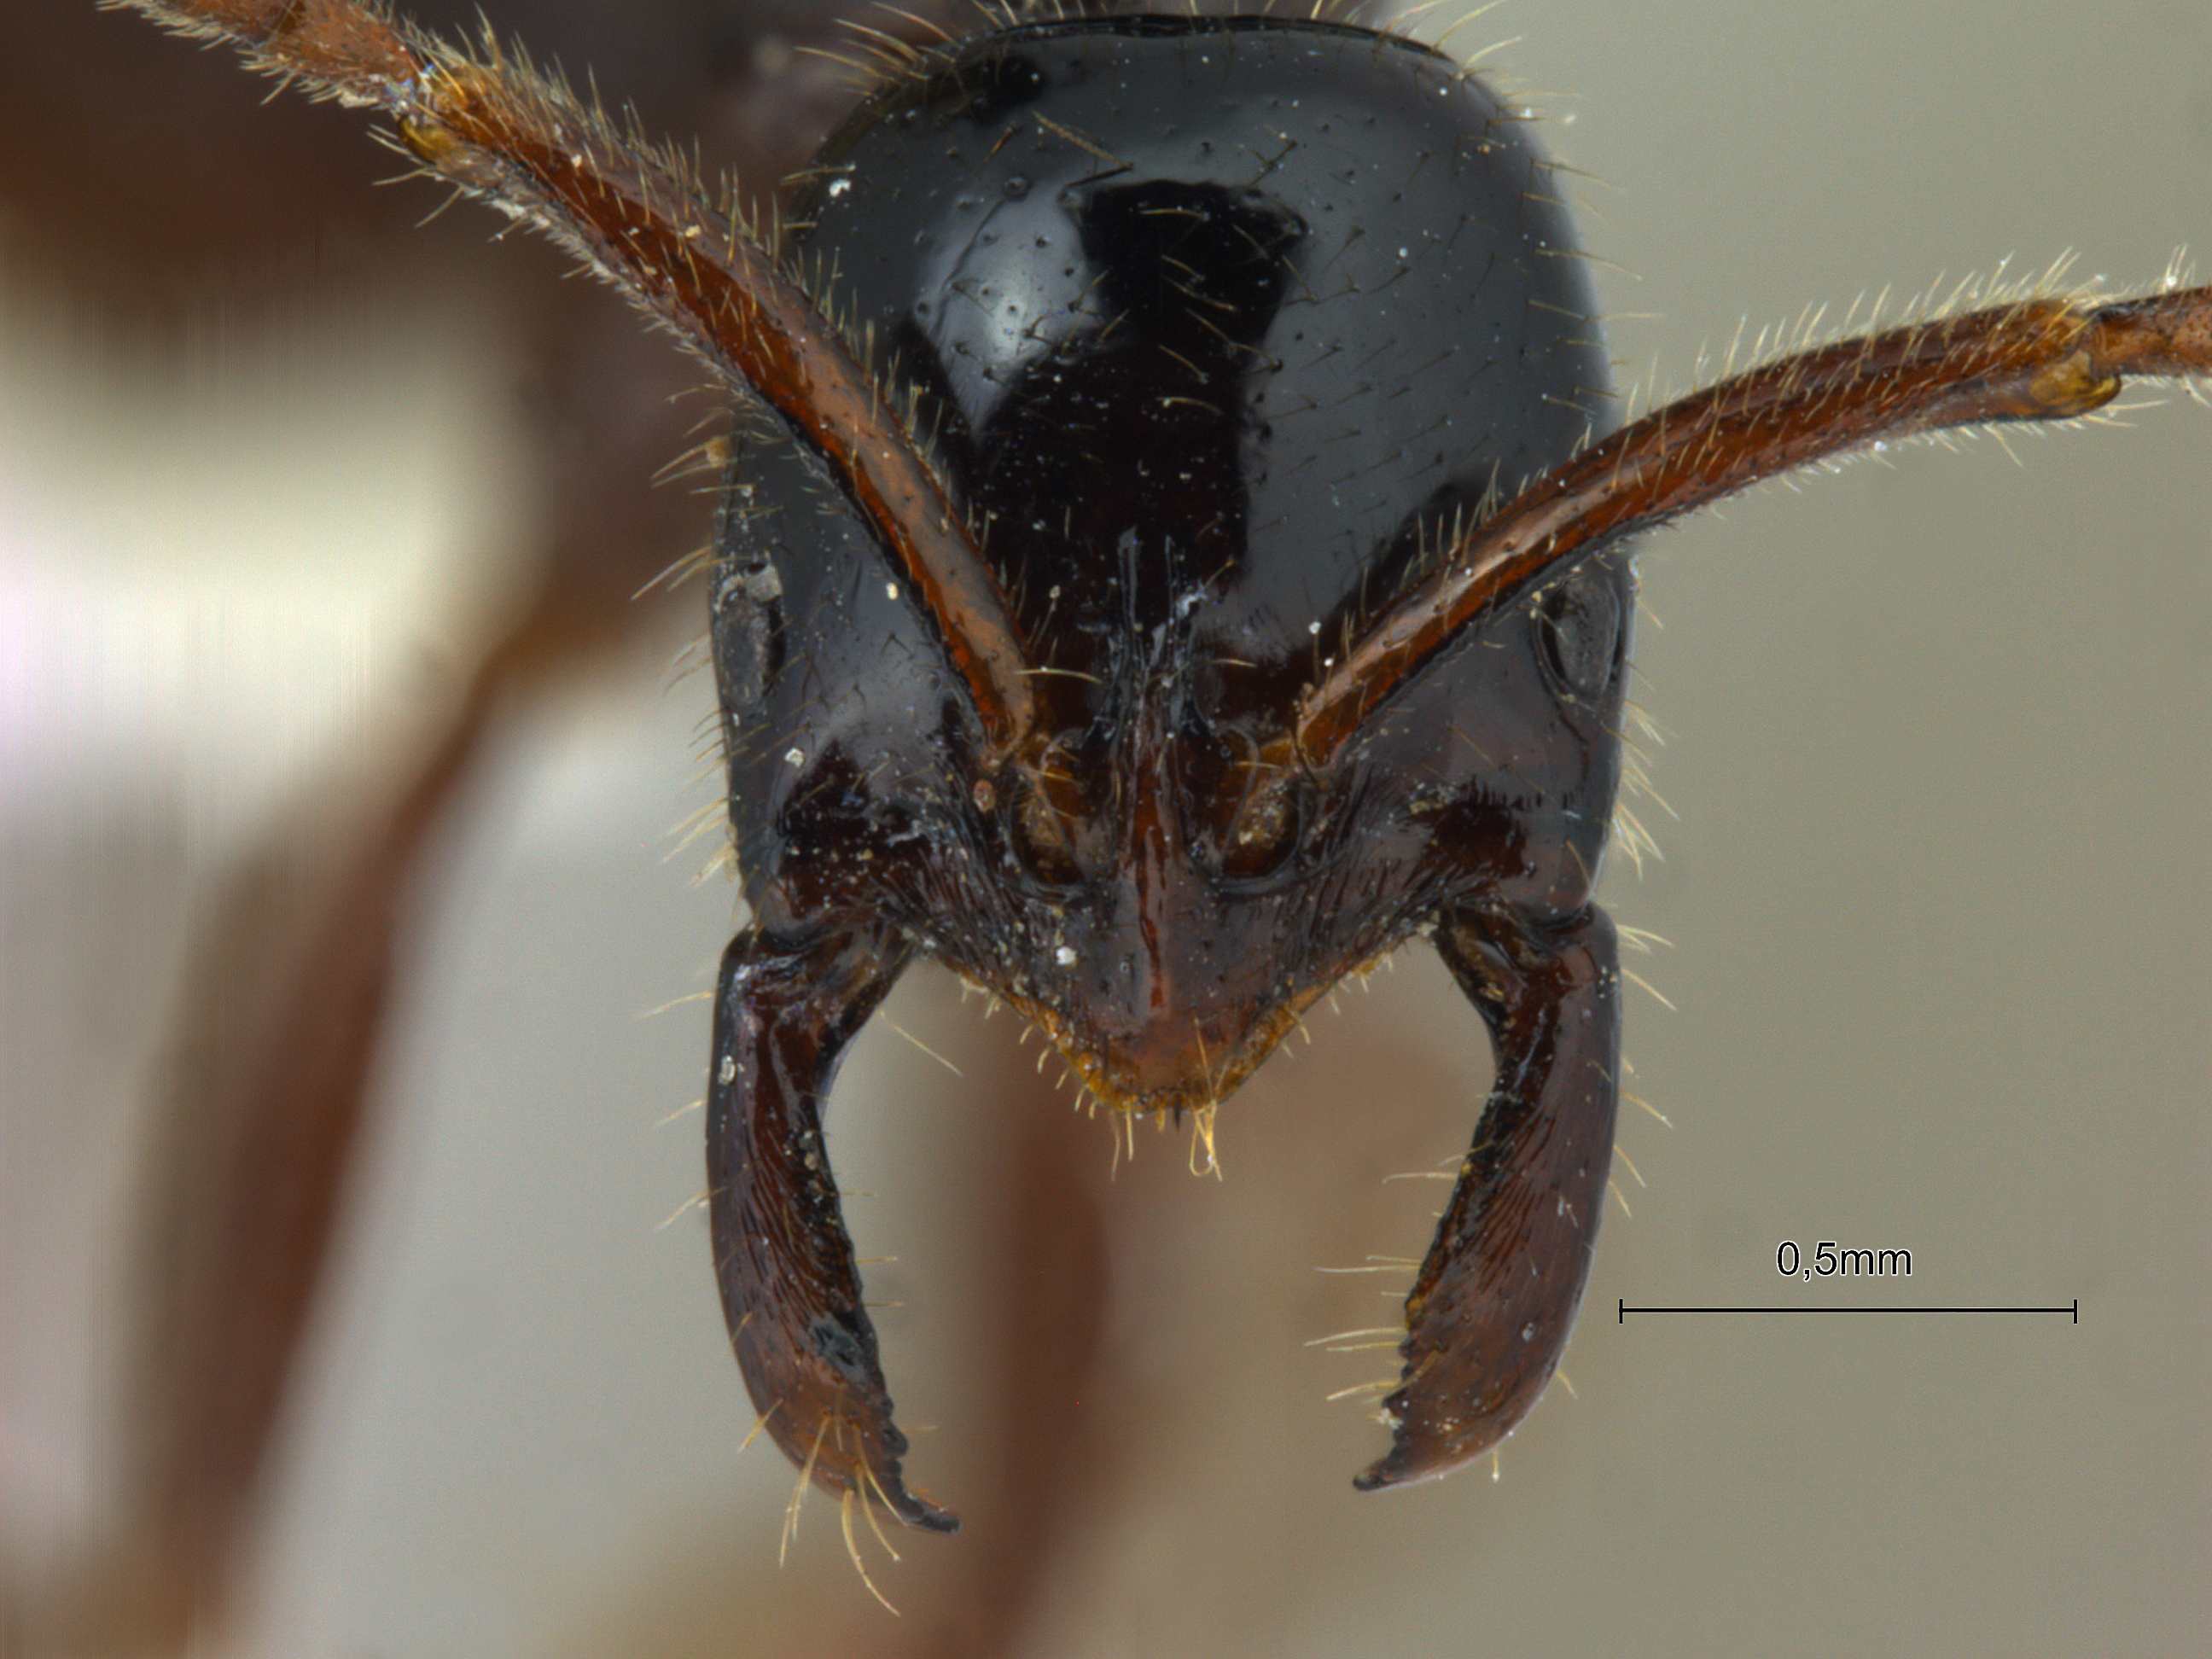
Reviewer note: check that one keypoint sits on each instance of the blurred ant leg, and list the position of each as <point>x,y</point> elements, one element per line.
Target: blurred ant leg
<point>635,216</point>
<point>2037,359</point>
<point>791,1290</point>
<point>267,1076</point>
<point>1495,1300</point>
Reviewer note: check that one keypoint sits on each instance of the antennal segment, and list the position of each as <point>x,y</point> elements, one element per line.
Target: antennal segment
<point>2040,360</point>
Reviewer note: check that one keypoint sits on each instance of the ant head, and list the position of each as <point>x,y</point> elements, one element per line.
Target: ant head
<point>1209,406</point>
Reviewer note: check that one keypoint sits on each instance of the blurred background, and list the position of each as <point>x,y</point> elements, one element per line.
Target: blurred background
<point>275,467</point>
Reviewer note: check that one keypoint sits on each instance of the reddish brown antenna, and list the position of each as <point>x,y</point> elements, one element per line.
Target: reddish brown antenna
<point>638,218</point>
<point>2037,360</point>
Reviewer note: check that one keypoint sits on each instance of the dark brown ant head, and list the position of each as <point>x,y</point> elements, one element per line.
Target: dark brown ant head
<point>1208,413</point>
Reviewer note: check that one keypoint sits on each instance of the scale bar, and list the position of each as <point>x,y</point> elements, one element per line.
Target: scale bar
<point>2073,1311</point>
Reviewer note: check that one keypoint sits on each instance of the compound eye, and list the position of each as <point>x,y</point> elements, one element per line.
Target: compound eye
<point>1265,830</point>
<point>1578,631</point>
<point>1041,827</point>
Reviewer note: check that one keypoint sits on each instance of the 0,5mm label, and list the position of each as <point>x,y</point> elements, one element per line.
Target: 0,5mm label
<point>1829,1260</point>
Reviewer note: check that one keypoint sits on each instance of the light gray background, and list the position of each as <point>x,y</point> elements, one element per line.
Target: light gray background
<point>1938,894</point>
